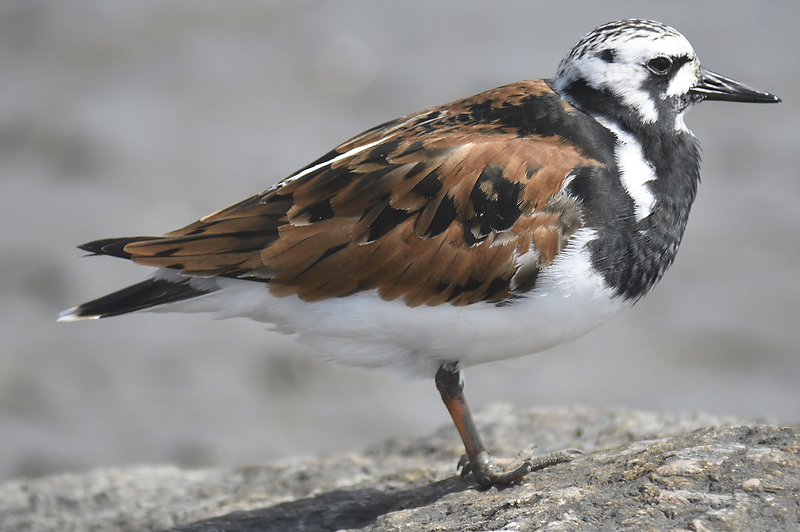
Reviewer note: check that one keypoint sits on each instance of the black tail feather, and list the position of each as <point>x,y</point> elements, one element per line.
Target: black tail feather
<point>140,296</point>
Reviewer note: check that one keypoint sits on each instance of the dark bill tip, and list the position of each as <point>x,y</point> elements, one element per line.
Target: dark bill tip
<point>713,86</point>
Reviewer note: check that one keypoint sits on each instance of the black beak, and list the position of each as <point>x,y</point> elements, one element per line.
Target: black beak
<point>713,86</point>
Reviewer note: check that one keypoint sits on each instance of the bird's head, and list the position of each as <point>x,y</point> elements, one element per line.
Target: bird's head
<point>640,74</point>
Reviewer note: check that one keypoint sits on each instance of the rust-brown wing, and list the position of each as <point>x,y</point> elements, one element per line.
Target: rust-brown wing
<point>433,208</point>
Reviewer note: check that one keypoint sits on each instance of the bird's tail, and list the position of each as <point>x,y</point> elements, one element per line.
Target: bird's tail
<point>165,287</point>
<point>140,296</point>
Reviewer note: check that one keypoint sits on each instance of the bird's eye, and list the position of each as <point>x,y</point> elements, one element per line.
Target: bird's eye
<point>660,65</point>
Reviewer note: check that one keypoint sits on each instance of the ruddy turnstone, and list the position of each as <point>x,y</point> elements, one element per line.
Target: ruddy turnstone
<point>488,228</point>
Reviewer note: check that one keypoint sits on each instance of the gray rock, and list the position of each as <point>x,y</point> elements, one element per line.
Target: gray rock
<point>642,471</point>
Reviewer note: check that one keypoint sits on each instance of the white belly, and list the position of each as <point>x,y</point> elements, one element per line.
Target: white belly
<point>363,330</point>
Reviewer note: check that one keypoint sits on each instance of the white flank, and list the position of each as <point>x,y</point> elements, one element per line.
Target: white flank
<point>365,331</point>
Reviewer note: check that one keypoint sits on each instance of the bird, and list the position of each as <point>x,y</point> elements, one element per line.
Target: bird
<point>488,228</point>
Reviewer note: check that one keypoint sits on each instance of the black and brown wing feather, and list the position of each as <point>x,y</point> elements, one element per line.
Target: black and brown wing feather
<point>437,207</point>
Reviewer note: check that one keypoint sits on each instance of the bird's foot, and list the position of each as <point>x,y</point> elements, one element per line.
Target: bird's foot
<point>487,472</point>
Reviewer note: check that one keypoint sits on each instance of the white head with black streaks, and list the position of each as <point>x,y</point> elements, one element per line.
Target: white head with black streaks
<point>631,67</point>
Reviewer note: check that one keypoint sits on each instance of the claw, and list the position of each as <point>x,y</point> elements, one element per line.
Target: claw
<point>477,460</point>
<point>487,473</point>
<point>559,457</point>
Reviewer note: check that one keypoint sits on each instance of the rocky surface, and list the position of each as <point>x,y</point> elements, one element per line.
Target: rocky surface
<point>641,471</point>
<point>138,117</point>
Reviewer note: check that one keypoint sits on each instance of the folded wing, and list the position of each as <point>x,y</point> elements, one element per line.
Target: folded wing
<point>458,204</point>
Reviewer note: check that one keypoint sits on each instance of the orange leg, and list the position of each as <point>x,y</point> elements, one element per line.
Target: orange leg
<point>478,460</point>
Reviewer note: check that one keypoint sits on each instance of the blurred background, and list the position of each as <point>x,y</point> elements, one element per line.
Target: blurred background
<point>126,118</point>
